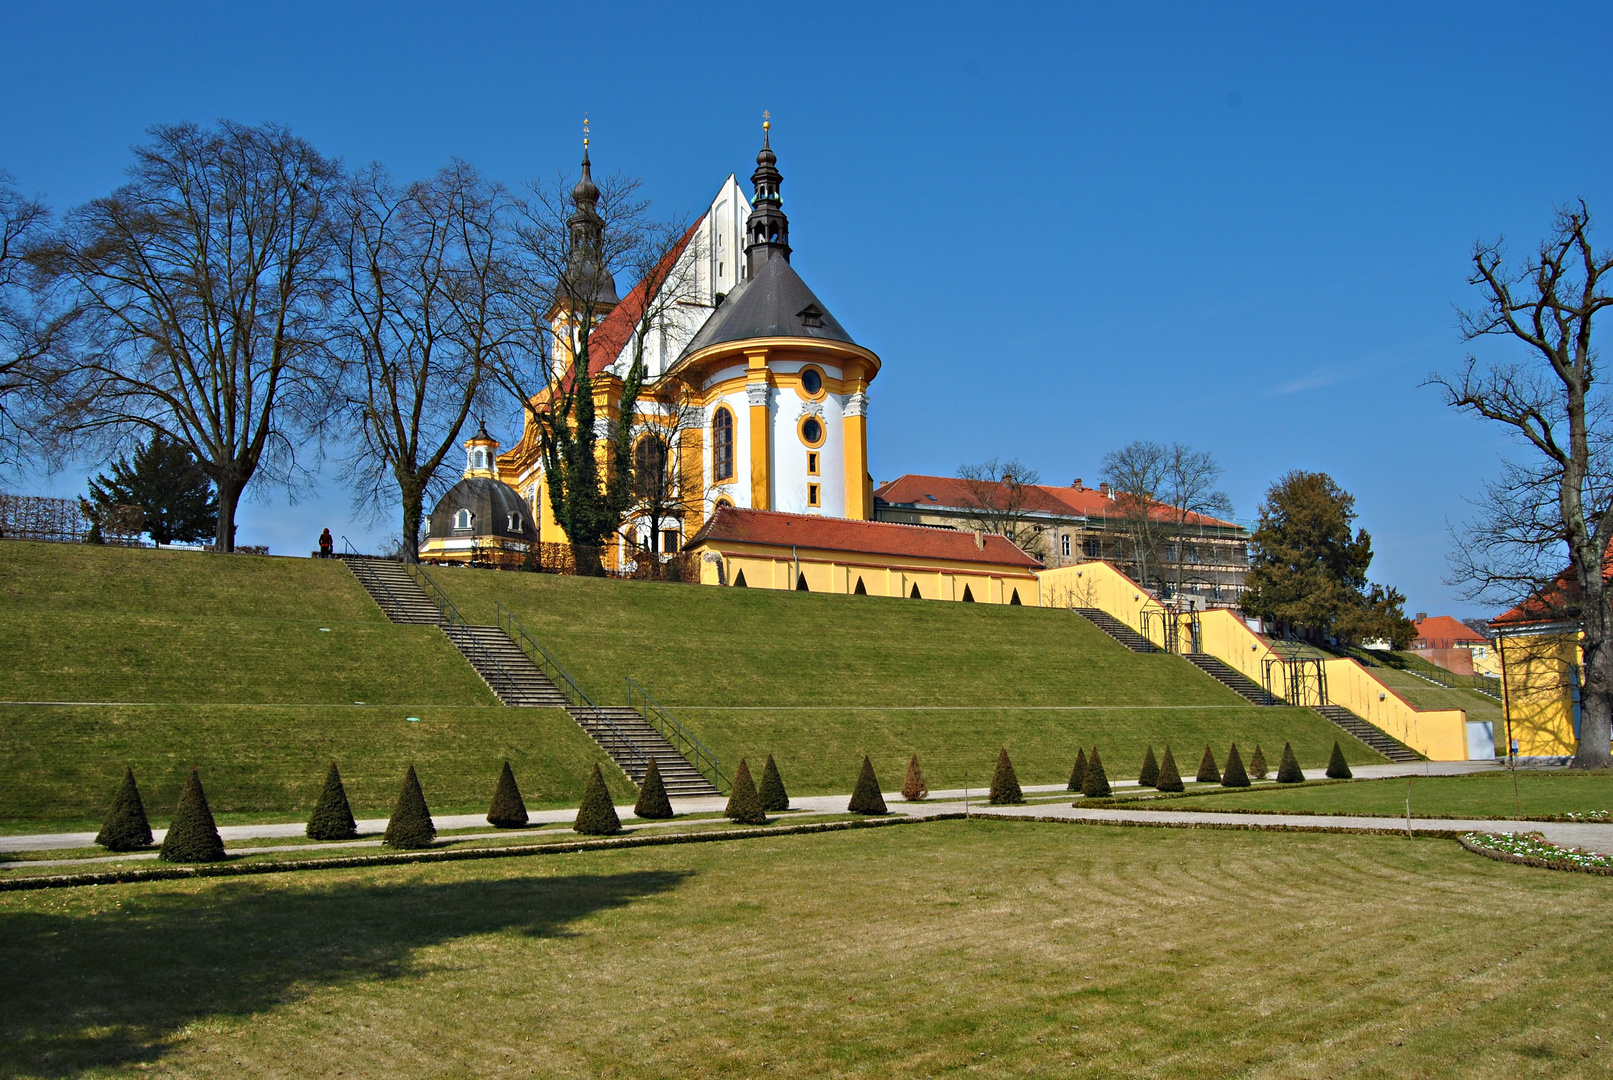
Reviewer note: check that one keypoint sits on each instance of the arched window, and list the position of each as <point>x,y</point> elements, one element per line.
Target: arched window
<point>462,519</point>
<point>651,478</point>
<point>722,446</point>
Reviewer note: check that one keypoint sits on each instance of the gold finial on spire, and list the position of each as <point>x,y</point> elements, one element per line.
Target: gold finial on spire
<point>767,119</point>
<point>585,131</point>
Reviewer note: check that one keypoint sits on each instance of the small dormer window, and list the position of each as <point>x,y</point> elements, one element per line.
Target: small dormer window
<point>461,519</point>
<point>811,315</point>
<point>515,523</point>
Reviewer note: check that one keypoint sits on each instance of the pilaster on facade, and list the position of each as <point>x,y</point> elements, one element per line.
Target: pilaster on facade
<point>758,394</point>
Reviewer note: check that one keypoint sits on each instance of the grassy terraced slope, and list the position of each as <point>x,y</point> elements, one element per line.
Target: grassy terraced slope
<point>820,680</point>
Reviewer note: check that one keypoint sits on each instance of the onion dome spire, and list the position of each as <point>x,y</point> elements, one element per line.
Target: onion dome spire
<point>767,231</point>
<point>586,280</point>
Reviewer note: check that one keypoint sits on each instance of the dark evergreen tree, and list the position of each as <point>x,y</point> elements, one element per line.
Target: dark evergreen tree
<point>1257,764</point>
<point>333,816</point>
<point>1208,773</point>
<point>508,810</point>
<point>1288,771</point>
<point>1337,767</point>
<point>1005,783</point>
<point>1078,775</point>
<point>774,797</point>
<point>192,835</point>
<point>126,827</point>
<point>175,497</point>
<point>866,798</point>
<point>914,788</point>
<point>652,798</point>
<point>1148,775</point>
<point>410,825</point>
<point>1095,785</point>
<point>1234,776</point>
<point>597,814</point>
<point>744,805</point>
<point>1169,778</point>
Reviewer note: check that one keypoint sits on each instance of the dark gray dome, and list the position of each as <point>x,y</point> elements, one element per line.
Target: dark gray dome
<point>774,303</point>
<point>493,505</point>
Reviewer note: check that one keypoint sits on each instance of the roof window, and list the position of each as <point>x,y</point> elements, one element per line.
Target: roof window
<point>811,315</point>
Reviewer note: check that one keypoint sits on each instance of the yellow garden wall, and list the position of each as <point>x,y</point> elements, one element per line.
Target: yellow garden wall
<point>1539,698</point>
<point>1437,734</point>
<point>838,572</point>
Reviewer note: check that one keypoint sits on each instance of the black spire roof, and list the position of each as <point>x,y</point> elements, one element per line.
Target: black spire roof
<point>586,280</point>
<point>767,232</point>
<point>774,303</point>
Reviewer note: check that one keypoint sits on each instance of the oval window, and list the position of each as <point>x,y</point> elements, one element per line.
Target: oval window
<point>811,381</point>
<point>812,431</point>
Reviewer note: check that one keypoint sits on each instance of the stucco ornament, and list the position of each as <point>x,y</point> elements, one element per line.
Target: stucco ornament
<point>757,393</point>
<point>857,404</point>
<point>812,408</point>
<point>601,427</point>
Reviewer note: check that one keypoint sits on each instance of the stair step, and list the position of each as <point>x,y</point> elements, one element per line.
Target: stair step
<point>1231,678</point>
<point>1117,630</point>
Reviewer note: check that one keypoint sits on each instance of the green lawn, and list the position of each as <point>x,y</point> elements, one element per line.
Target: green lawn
<point>62,763</point>
<point>1540,794</point>
<point>947,950</point>
<point>821,680</point>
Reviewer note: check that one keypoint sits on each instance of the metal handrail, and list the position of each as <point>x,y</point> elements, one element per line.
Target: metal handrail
<point>568,686</point>
<point>450,611</point>
<point>682,739</point>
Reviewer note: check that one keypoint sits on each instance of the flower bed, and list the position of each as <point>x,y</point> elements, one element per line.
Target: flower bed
<point>1531,849</point>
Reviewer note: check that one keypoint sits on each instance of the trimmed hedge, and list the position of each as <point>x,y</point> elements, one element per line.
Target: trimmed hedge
<point>1148,775</point>
<point>1095,784</point>
<point>1169,778</point>
<point>126,827</point>
<point>332,818</point>
<point>1208,773</point>
<point>508,809</point>
<point>192,835</point>
<point>1234,776</point>
<point>410,826</point>
<point>597,814</point>
<point>774,797</point>
<point>1257,764</point>
<point>652,797</point>
<point>866,797</point>
<point>1078,775</point>
<point>1288,771</point>
<point>1337,767</point>
<point>1004,783</point>
<point>744,805</point>
<point>913,788</point>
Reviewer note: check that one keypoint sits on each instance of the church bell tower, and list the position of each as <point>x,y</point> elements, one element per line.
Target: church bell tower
<point>767,232</point>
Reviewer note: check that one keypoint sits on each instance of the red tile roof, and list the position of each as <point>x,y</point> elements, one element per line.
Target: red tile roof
<point>865,537</point>
<point>1444,632</point>
<point>951,492</point>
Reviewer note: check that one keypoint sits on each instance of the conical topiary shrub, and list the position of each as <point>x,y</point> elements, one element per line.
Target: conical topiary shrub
<point>1148,775</point>
<point>1078,775</point>
<point>597,814</point>
<point>774,797</point>
<point>1169,778</point>
<point>410,825</point>
<point>508,810</point>
<point>1257,763</point>
<point>913,788</point>
<point>192,836</point>
<point>652,799</point>
<point>1288,769</point>
<point>1208,773</point>
<point>1337,767</point>
<point>1004,782</point>
<point>1234,776</point>
<point>126,827</point>
<point>1095,784</point>
<point>744,805</point>
<point>333,816</point>
<point>866,797</point>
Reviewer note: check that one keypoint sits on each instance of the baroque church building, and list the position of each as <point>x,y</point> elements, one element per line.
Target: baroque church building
<point>756,397</point>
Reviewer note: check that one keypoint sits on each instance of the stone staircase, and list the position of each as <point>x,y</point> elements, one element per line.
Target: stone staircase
<point>1375,737</point>
<point>1118,630</point>
<point>1230,677</point>
<point>626,736</point>
<point>516,681</point>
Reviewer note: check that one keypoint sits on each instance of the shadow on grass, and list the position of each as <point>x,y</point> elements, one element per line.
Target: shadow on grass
<point>112,981</point>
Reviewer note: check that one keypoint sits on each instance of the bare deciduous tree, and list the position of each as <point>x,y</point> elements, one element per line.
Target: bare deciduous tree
<point>1188,491</point>
<point>430,318</point>
<point>999,493</point>
<point>203,291</point>
<point>29,319</point>
<point>1556,501</point>
<point>1136,474</point>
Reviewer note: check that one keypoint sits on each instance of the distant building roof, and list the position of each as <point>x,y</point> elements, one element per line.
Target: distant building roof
<point>774,303</point>
<point>1445,632</point>
<point>953,493</point>
<point>776,529</point>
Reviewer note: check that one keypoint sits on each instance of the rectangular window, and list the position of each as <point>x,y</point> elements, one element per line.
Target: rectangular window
<point>1064,542</point>
<point>812,463</point>
<point>812,495</point>
<point>669,541</point>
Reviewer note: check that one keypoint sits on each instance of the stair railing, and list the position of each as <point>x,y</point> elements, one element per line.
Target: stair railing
<point>682,739</point>
<point>637,755</point>
<point>503,683</point>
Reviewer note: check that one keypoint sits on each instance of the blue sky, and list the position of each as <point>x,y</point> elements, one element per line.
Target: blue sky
<point>1063,227</point>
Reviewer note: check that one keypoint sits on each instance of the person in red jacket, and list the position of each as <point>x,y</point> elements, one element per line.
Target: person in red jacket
<point>325,544</point>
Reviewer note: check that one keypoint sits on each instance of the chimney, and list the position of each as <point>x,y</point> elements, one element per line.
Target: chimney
<point>1076,484</point>
<point>1008,478</point>
<point>980,539</point>
<point>1421,615</point>
<point>1103,488</point>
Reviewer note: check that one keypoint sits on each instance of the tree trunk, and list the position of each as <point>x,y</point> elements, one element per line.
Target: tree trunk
<point>413,495</point>
<point>1596,690</point>
<point>229,497</point>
